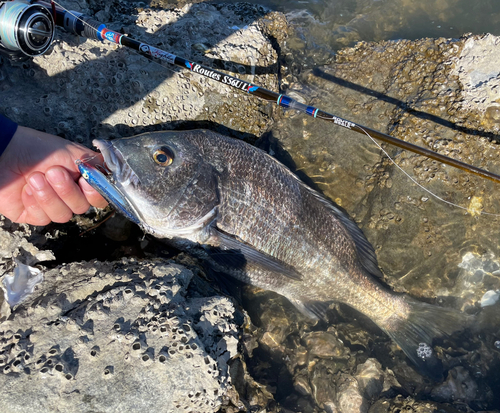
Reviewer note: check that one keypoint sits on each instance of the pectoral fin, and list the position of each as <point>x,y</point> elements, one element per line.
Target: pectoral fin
<point>237,254</point>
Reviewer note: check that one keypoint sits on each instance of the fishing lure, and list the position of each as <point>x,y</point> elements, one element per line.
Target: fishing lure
<point>100,182</point>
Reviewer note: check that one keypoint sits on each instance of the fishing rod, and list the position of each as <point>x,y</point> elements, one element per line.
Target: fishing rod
<point>25,29</point>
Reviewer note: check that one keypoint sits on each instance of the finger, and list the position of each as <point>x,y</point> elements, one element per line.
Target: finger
<point>91,194</point>
<point>48,199</point>
<point>67,189</point>
<point>32,214</point>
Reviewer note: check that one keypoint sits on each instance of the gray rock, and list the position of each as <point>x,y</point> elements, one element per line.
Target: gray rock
<point>458,386</point>
<point>370,378</point>
<point>15,245</point>
<point>349,398</point>
<point>86,89</point>
<point>115,337</point>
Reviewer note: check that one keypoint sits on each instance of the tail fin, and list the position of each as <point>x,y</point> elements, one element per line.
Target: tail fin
<point>415,333</point>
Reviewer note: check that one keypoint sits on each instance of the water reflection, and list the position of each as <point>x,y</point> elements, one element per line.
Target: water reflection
<point>324,26</point>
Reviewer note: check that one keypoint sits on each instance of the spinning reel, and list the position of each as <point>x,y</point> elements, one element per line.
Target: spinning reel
<point>26,29</point>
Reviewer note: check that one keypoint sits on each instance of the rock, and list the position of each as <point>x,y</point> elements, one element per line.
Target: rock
<point>370,378</point>
<point>422,92</point>
<point>477,70</point>
<point>349,398</point>
<point>409,404</point>
<point>117,336</point>
<point>86,89</point>
<point>323,386</point>
<point>458,386</point>
<point>14,245</point>
<point>323,344</point>
<point>478,274</point>
<point>117,228</point>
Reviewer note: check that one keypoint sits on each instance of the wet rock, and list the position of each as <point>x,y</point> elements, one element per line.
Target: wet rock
<point>350,399</point>
<point>478,275</point>
<point>458,386</point>
<point>272,314</point>
<point>326,345</point>
<point>475,68</point>
<point>409,404</point>
<point>323,386</point>
<point>419,91</point>
<point>108,336</point>
<point>301,384</point>
<point>370,378</point>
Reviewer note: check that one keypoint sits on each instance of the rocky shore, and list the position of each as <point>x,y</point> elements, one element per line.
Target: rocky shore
<point>124,323</point>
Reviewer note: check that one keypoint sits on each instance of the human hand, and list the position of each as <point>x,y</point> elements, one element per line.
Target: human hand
<point>40,182</point>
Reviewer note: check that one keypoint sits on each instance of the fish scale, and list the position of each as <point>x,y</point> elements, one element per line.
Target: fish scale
<point>249,216</point>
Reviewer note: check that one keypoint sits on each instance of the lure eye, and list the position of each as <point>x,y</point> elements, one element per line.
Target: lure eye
<point>163,156</point>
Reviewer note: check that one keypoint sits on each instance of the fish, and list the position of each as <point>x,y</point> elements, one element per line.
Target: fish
<point>249,216</point>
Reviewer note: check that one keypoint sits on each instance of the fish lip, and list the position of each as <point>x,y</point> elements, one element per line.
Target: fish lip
<point>115,163</point>
<point>118,173</point>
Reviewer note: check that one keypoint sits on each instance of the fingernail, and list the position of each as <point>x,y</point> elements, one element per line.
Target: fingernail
<point>28,190</point>
<point>37,182</point>
<point>55,176</point>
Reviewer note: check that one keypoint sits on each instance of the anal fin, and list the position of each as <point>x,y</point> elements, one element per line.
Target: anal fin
<point>315,310</point>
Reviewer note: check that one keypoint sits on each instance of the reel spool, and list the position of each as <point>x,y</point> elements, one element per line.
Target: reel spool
<point>25,29</point>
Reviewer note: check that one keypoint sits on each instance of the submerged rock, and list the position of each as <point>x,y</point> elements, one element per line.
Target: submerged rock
<point>424,92</point>
<point>458,386</point>
<point>108,336</point>
<point>370,378</point>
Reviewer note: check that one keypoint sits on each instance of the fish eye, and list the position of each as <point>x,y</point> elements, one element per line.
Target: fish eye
<point>163,156</point>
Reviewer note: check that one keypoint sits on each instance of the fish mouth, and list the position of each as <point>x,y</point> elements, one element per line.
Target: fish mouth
<point>115,164</point>
<point>119,176</point>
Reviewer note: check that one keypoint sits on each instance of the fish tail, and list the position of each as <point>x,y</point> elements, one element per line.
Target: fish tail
<point>416,332</point>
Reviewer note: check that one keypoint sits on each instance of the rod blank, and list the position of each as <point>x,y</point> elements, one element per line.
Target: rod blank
<point>88,27</point>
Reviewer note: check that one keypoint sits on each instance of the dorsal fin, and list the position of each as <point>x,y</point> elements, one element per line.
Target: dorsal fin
<point>366,253</point>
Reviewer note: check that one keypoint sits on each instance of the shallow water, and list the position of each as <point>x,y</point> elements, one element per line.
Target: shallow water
<point>319,151</point>
<point>332,24</point>
<point>424,247</point>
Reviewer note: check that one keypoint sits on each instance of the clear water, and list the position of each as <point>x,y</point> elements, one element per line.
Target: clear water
<point>322,28</point>
<point>337,23</point>
<point>435,251</point>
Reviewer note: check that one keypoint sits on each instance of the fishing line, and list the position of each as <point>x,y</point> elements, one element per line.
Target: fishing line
<point>423,187</point>
<point>85,26</point>
<point>88,27</point>
<point>8,31</point>
<point>88,158</point>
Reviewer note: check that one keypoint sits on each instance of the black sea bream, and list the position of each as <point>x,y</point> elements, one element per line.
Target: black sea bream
<point>248,215</point>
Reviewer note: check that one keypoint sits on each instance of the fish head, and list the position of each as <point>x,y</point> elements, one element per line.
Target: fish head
<point>171,188</point>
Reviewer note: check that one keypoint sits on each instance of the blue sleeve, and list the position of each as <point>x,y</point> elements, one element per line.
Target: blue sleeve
<point>7,130</point>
